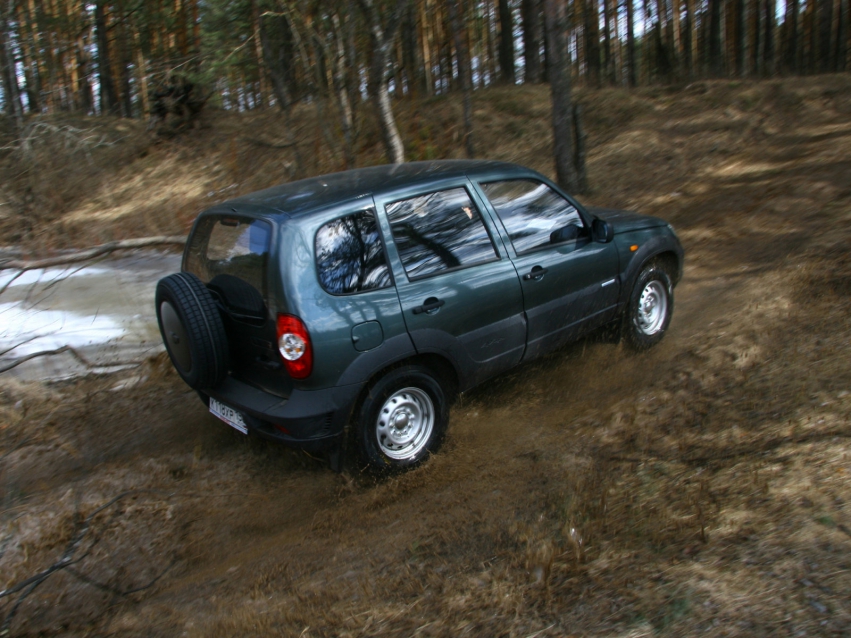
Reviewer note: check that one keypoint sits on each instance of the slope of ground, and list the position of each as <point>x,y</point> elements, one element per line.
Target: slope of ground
<point>700,487</point>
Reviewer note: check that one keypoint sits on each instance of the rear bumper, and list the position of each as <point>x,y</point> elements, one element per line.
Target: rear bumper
<point>307,419</point>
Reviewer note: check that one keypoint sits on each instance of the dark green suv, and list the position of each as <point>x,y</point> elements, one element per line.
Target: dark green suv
<point>372,297</point>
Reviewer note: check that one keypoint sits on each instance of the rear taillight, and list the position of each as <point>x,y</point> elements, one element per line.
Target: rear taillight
<point>294,346</point>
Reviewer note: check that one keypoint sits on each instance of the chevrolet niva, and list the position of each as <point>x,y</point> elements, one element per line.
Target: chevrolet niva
<point>372,297</point>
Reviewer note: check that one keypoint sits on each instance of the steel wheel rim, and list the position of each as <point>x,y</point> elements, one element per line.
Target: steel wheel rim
<point>176,338</point>
<point>405,423</point>
<point>652,308</point>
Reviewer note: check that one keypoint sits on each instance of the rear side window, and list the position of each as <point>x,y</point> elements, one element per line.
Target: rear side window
<point>533,214</point>
<point>349,255</point>
<point>232,246</point>
<point>439,231</point>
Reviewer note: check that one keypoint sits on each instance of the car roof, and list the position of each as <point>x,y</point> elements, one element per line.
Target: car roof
<point>307,195</point>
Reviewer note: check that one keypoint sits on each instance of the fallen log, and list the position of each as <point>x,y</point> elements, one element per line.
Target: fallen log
<point>91,253</point>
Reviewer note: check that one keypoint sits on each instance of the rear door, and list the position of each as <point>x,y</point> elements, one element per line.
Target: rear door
<point>230,253</point>
<point>459,292</point>
<point>569,281</point>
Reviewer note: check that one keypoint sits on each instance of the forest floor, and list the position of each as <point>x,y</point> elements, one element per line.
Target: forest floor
<point>700,487</point>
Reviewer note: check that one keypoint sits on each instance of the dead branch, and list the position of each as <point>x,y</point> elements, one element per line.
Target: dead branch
<point>68,559</point>
<point>11,280</point>
<point>71,557</point>
<point>45,353</point>
<point>91,253</point>
<point>265,144</point>
<point>119,592</point>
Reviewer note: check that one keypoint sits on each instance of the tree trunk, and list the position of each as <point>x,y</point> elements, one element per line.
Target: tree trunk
<point>411,59</point>
<point>11,90</point>
<point>630,44</point>
<point>258,53</point>
<point>740,36</point>
<point>716,53</point>
<point>592,40</point>
<point>609,36</point>
<point>689,41</point>
<point>790,39</point>
<point>124,60</point>
<point>825,21</point>
<point>768,63</point>
<point>465,72</point>
<point>108,99</point>
<point>530,11</point>
<point>842,36</point>
<point>276,43</point>
<point>341,64</point>
<point>85,96</point>
<point>382,37</point>
<point>27,28</point>
<point>506,42</point>
<point>558,63</point>
<point>755,31</point>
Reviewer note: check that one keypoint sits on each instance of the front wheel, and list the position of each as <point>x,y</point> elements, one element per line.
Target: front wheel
<point>402,419</point>
<point>650,308</point>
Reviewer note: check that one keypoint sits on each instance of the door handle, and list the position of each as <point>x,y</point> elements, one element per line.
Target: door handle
<point>537,273</point>
<point>429,305</point>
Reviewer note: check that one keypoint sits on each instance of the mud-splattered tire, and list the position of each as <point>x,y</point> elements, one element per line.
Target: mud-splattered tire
<point>192,330</point>
<point>402,420</point>
<point>650,308</point>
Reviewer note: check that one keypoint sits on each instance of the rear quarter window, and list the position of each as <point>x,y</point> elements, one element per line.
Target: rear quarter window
<point>350,256</point>
<point>230,245</point>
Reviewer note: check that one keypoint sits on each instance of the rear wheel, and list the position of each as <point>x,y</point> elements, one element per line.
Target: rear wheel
<point>192,330</point>
<point>650,308</point>
<point>402,420</point>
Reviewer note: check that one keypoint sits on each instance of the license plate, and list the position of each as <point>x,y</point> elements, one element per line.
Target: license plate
<point>228,415</point>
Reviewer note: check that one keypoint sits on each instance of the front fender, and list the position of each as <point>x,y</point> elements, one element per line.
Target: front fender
<point>647,250</point>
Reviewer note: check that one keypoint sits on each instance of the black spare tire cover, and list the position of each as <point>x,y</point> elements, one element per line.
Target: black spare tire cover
<point>192,330</point>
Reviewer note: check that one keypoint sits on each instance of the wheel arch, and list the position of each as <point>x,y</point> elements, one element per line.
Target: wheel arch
<point>442,368</point>
<point>665,250</point>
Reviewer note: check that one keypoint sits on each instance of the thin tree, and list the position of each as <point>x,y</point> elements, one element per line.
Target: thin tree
<point>716,53</point>
<point>108,96</point>
<point>11,89</point>
<point>530,11</point>
<point>631,74</point>
<point>382,30</point>
<point>506,42</point>
<point>465,72</point>
<point>558,69</point>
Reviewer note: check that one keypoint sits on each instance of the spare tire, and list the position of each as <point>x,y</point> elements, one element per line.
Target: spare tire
<point>192,330</point>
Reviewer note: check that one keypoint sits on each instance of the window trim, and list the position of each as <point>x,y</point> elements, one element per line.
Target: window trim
<point>324,223</point>
<point>470,195</point>
<point>482,183</point>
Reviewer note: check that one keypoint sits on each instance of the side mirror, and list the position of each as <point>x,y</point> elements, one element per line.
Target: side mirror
<point>602,230</point>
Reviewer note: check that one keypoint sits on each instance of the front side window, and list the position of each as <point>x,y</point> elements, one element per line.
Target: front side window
<point>533,214</point>
<point>232,246</point>
<point>439,231</point>
<point>350,256</point>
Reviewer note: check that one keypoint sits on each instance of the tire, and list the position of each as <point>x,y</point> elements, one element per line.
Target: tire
<point>402,419</point>
<point>651,305</point>
<point>192,330</point>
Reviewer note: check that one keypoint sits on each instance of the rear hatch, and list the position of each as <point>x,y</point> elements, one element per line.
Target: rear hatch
<point>230,253</point>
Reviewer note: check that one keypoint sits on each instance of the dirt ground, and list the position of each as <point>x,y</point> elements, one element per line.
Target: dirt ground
<point>700,487</point>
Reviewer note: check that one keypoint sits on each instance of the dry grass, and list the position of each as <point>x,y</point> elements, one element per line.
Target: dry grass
<point>700,487</point>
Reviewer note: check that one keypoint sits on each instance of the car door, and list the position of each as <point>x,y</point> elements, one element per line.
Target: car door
<point>569,281</point>
<point>458,289</point>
